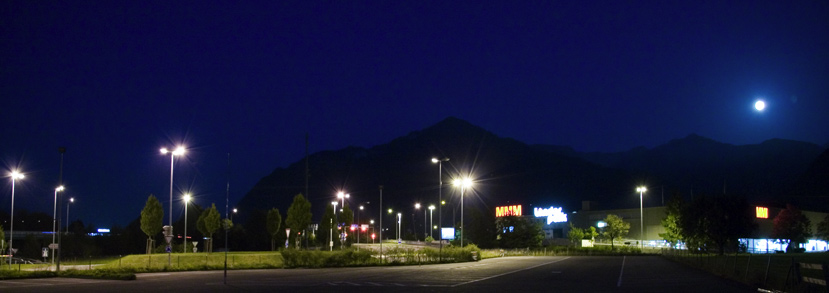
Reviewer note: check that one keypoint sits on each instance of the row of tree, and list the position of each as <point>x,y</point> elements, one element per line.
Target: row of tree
<point>717,223</point>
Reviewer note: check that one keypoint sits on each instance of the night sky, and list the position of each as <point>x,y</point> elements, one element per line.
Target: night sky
<point>114,84</point>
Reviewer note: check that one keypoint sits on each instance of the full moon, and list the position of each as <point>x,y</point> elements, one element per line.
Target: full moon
<point>760,105</point>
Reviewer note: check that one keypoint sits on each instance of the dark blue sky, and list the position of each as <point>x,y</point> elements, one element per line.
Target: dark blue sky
<point>115,83</point>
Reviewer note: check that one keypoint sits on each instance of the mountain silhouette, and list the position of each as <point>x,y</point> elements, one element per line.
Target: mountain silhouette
<point>507,171</point>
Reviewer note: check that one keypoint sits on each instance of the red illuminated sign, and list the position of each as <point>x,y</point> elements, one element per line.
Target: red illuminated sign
<point>506,211</point>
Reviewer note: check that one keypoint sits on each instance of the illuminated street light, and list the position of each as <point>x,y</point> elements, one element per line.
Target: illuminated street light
<point>641,190</point>
<point>399,217</point>
<point>417,207</point>
<point>431,231</point>
<point>186,201</point>
<point>180,150</point>
<point>358,223</point>
<point>342,196</point>
<point>14,175</point>
<point>463,184</point>
<point>331,228</point>
<point>54,219</point>
<point>440,199</point>
<point>71,200</point>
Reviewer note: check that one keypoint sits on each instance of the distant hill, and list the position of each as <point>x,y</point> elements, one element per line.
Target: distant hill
<point>507,171</point>
<point>765,172</point>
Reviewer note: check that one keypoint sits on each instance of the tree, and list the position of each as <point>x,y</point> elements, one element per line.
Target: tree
<point>481,229</point>
<point>209,221</point>
<point>575,235</point>
<point>273,223</point>
<point>791,224</point>
<point>591,233</point>
<point>516,231</point>
<point>299,217</point>
<point>616,228</point>
<point>716,222</point>
<point>151,220</point>
<point>822,229</point>
<point>347,218</point>
<point>671,222</point>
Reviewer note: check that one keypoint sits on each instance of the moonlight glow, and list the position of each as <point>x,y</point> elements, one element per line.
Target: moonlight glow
<point>760,105</point>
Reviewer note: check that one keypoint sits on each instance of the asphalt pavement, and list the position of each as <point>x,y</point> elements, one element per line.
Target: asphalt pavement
<point>532,274</point>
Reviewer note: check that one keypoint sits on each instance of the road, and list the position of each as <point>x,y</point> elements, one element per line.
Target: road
<point>534,274</point>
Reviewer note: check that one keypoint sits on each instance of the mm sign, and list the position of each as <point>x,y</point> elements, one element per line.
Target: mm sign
<point>507,211</point>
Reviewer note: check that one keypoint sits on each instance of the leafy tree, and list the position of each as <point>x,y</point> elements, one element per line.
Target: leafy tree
<point>716,222</point>
<point>347,218</point>
<point>273,223</point>
<point>481,229</point>
<point>209,221</point>
<point>575,234</point>
<point>791,224</point>
<point>151,220</point>
<point>515,231</point>
<point>299,217</point>
<point>822,229</point>
<point>616,228</point>
<point>671,222</point>
<point>591,233</point>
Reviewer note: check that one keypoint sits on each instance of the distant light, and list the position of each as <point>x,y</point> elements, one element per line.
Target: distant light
<point>601,224</point>
<point>103,230</point>
<point>760,105</point>
<point>762,212</point>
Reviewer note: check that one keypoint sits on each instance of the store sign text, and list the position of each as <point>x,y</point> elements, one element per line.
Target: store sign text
<point>507,211</point>
<point>553,214</point>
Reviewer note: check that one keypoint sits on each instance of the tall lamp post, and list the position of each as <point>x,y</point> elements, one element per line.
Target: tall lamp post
<point>463,184</point>
<point>54,220</point>
<point>431,227</point>
<point>334,203</point>
<point>381,223</point>
<point>372,231</point>
<point>186,201</point>
<point>417,207</point>
<point>641,190</point>
<point>71,200</point>
<point>177,152</point>
<point>399,218</point>
<point>440,199</point>
<point>14,175</point>
<point>359,227</point>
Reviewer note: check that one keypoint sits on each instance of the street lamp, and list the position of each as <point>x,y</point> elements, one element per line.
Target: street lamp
<point>372,230</point>
<point>342,196</point>
<point>358,223</point>
<point>641,190</point>
<point>234,212</point>
<point>14,175</point>
<point>417,207</point>
<point>463,184</point>
<point>331,228</point>
<point>440,199</point>
<point>54,220</point>
<point>431,231</point>
<point>180,150</point>
<point>186,200</point>
<point>71,200</point>
<point>399,217</point>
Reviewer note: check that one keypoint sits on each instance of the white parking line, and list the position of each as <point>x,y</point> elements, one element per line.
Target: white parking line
<point>619,284</point>
<point>507,273</point>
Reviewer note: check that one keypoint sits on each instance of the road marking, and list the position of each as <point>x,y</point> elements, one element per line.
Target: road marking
<point>373,283</point>
<point>507,273</point>
<point>619,284</point>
